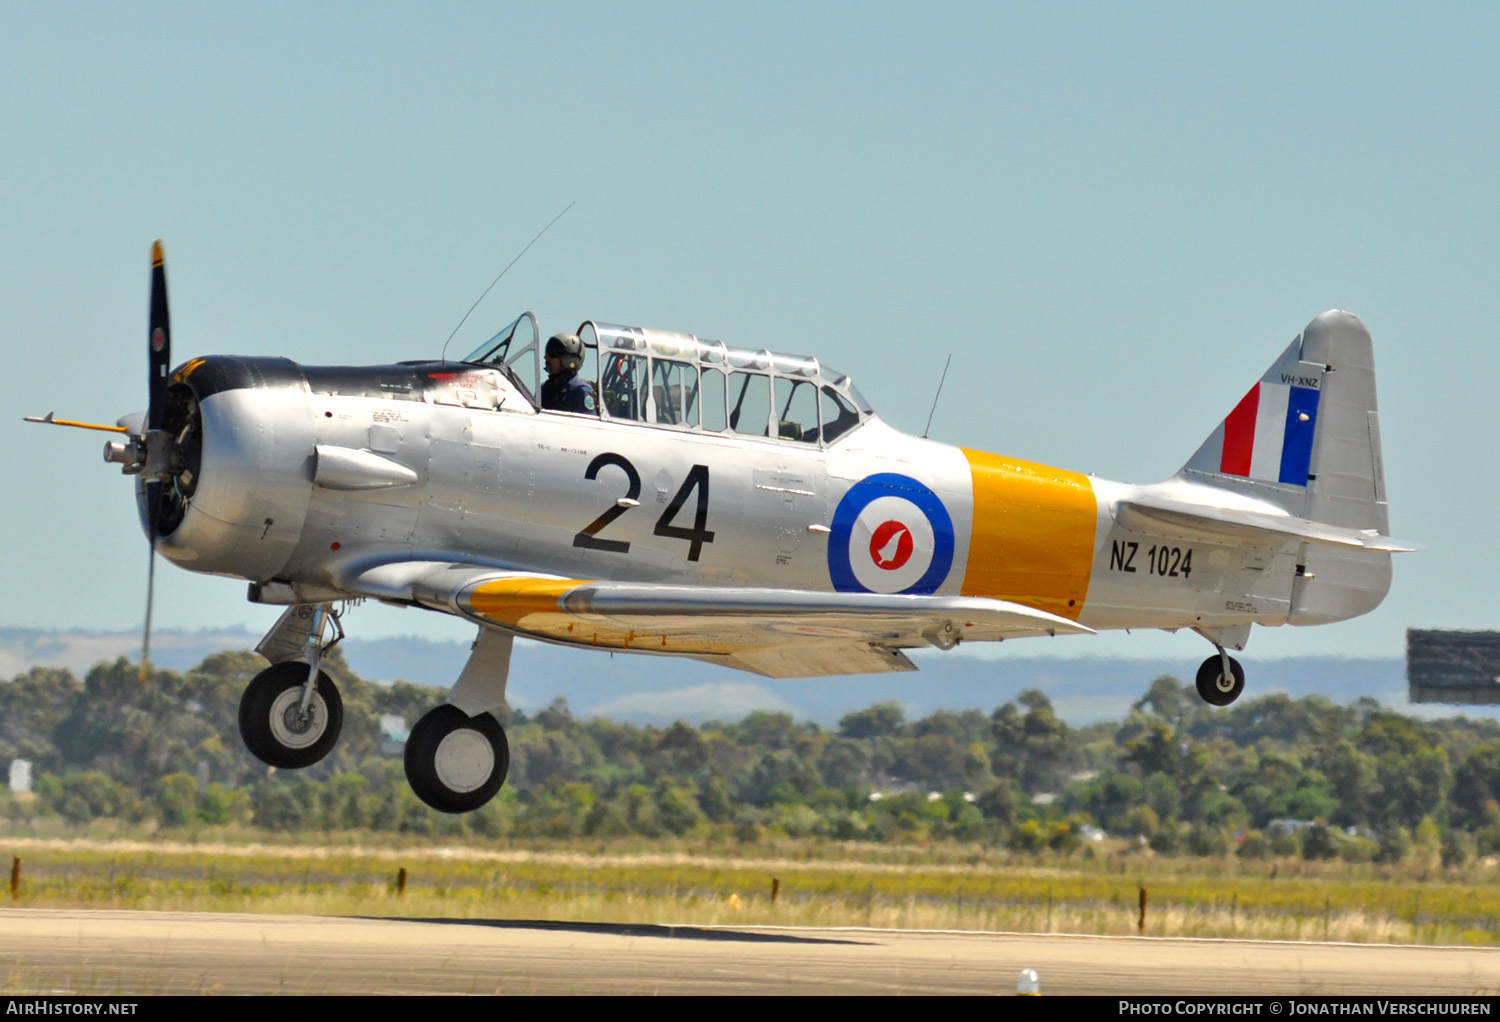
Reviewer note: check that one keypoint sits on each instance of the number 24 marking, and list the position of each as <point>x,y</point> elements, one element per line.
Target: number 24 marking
<point>696,536</point>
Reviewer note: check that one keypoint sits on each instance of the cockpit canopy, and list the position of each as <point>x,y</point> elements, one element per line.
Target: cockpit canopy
<point>678,381</point>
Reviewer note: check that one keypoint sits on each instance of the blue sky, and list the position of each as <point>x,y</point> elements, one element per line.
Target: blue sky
<point>1113,216</point>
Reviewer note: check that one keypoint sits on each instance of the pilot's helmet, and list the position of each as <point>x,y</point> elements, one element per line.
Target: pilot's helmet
<point>568,348</point>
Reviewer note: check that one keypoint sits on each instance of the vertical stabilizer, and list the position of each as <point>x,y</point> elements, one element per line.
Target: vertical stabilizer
<point>1306,437</point>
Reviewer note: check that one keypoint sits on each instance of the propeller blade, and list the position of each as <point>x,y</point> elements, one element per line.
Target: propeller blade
<point>150,595</point>
<point>159,357</point>
<point>159,349</point>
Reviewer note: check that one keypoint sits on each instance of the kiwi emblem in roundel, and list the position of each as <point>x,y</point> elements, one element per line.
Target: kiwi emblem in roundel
<point>890,534</point>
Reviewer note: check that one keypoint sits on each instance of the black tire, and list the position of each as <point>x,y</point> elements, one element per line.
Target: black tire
<point>269,712</point>
<point>1212,686</point>
<point>456,763</point>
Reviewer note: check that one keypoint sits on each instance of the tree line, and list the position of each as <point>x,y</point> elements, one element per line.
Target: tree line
<point>1268,776</point>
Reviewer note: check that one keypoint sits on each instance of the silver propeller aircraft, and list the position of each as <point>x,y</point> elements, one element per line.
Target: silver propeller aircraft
<point>733,505</point>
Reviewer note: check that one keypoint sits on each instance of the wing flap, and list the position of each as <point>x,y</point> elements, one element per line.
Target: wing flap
<point>820,661</point>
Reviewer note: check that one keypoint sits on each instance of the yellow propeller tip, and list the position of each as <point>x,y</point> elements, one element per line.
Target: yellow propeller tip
<point>156,257</point>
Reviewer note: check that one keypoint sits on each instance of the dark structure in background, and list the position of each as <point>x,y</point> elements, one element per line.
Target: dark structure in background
<point>1453,667</point>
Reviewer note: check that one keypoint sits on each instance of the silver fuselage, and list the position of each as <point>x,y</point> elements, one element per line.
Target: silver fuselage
<point>302,491</point>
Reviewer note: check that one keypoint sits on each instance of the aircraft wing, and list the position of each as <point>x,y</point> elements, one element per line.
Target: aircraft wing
<point>779,633</point>
<point>1188,519</point>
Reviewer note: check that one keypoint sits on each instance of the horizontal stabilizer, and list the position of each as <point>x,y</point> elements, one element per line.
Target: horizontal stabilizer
<point>1194,518</point>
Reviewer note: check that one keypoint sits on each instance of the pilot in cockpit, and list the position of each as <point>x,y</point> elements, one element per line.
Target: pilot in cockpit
<point>565,390</point>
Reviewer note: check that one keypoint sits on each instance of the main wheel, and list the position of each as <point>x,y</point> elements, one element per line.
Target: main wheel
<point>455,763</point>
<point>1214,687</point>
<point>273,725</point>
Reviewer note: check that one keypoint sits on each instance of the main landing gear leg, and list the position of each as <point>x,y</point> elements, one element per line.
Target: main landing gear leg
<point>1221,679</point>
<point>291,713</point>
<point>457,755</point>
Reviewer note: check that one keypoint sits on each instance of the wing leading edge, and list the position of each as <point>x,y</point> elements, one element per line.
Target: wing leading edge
<point>779,633</point>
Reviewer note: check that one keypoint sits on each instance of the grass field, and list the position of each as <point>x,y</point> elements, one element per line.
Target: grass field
<point>813,884</point>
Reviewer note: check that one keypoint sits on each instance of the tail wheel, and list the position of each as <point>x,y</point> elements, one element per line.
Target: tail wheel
<point>1214,687</point>
<point>275,728</point>
<point>456,763</point>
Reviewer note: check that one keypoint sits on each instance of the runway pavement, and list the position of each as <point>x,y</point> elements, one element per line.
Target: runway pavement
<point>123,953</point>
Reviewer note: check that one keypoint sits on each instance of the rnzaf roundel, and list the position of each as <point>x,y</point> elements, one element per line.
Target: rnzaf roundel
<point>890,534</point>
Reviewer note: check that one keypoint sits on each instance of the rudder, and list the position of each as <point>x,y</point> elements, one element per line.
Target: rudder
<point>1347,482</point>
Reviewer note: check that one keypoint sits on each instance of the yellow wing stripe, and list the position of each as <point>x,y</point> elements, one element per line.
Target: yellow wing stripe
<point>1033,536</point>
<point>533,605</point>
<point>509,600</point>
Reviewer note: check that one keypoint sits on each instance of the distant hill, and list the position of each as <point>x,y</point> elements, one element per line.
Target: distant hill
<point>645,689</point>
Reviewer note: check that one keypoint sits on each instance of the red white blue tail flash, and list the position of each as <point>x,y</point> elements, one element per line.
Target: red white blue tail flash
<point>1269,434</point>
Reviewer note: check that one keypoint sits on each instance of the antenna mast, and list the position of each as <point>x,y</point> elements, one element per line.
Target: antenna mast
<point>937,395</point>
<point>503,272</point>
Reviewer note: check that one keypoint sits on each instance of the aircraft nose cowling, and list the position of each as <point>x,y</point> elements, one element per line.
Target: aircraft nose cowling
<point>246,513</point>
